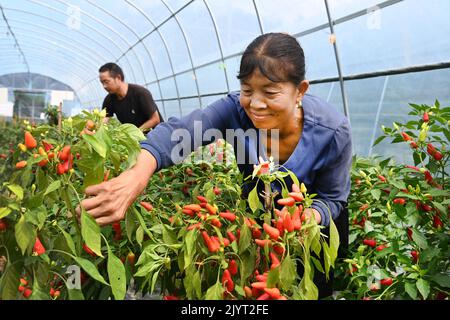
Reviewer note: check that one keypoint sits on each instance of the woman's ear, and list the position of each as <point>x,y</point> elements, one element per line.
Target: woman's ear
<point>303,88</point>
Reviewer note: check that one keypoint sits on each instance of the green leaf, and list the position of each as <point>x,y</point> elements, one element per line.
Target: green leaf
<point>169,237</point>
<point>132,131</point>
<point>411,290</point>
<point>55,185</point>
<point>130,225</point>
<point>116,275</point>
<point>253,199</point>
<point>379,139</point>
<point>334,242</point>
<point>4,212</point>
<point>424,288</point>
<point>37,217</point>
<point>25,234</point>
<point>440,207</point>
<point>140,235</point>
<point>244,239</point>
<point>190,240</point>
<point>273,278</point>
<point>9,281</point>
<point>96,144</point>
<point>398,184</point>
<point>17,190</point>
<point>91,269</point>
<point>442,279</point>
<point>75,294</point>
<point>90,231</point>
<point>197,284</point>
<point>288,272</point>
<point>215,292</point>
<point>69,241</point>
<point>419,239</point>
<point>376,193</point>
<point>317,264</point>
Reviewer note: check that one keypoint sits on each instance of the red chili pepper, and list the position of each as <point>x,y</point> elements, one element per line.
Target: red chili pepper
<point>88,250</point>
<point>202,199</point>
<point>431,149</point>
<point>413,144</point>
<point>233,267</point>
<point>146,205</point>
<point>27,293</point>
<point>399,201</point>
<point>437,222</point>
<point>286,202</point>
<point>274,259</point>
<point>188,212</point>
<point>415,256</point>
<point>216,223</point>
<point>38,248</point>
<point>30,141</point>
<point>406,137</point>
<point>381,247</point>
<point>3,225</point>
<point>211,209</point>
<point>228,215</point>
<point>117,231</point>
<point>259,285</point>
<point>437,156</point>
<point>212,245</point>
<point>298,196</point>
<point>288,224</point>
<point>426,117</point>
<point>217,191</point>
<point>370,242</point>
<point>193,207</point>
<point>274,293</point>
<point>227,281</point>
<point>21,165</point>
<point>263,243</point>
<point>271,231</point>
<point>386,282</point>
<point>64,154</point>
<point>231,236</point>
<point>382,178</point>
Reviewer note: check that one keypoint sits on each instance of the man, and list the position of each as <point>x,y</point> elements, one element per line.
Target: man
<point>131,103</point>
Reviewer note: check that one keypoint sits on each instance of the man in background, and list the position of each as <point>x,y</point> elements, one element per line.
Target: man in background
<point>131,103</point>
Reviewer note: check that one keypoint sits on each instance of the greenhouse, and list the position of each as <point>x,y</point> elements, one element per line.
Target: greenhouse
<point>224,150</point>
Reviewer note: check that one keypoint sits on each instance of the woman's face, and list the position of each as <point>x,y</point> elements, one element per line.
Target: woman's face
<point>270,105</point>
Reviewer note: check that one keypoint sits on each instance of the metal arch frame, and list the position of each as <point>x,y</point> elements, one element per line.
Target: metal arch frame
<point>219,42</point>
<point>72,53</point>
<point>165,47</point>
<point>62,81</point>
<point>80,64</point>
<point>126,26</point>
<point>189,51</point>
<point>58,22</point>
<point>15,38</point>
<point>79,67</point>
<point>338,63</point>
<point>88,26</point>
<point>41,58</point>
<point>261,29</point>
<point>147,35</point>
<point>79,44</point>
<point>148,53</point>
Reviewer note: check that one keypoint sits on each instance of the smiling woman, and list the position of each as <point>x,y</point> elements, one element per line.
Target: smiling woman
<point>312,139</point>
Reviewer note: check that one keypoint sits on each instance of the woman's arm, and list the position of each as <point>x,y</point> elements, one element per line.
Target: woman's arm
<point>110,200</point>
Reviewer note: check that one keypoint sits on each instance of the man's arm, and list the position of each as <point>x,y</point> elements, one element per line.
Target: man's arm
<point>149,110</point>
<point>150,123</point>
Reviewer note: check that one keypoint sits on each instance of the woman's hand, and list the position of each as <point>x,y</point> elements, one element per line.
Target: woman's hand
<point>110,200</point>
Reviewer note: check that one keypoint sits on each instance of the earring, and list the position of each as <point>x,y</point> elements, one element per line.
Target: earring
<point>299,105</point>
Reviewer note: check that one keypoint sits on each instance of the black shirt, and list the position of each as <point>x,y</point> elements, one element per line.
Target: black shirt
<point>136,107</point>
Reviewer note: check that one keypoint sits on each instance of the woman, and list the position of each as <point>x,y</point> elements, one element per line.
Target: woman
<point>307,135</point>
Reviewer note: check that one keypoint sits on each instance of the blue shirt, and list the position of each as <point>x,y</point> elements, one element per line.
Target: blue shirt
<point>321,159</point>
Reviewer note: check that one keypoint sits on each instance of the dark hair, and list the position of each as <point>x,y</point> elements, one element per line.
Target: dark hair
<point>278,56</point>
<point>113,69</point>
